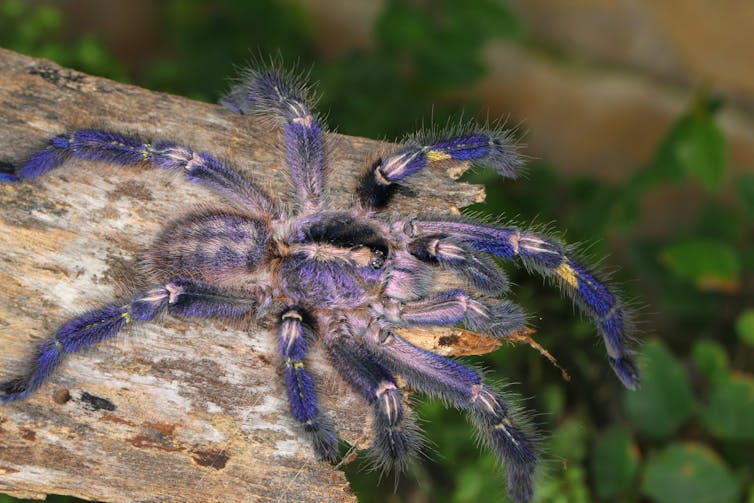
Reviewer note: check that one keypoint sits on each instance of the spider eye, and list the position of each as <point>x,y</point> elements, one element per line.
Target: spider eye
<point>378,259</point>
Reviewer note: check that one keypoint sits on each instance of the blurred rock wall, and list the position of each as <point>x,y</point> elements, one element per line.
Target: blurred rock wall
<point>597,83</point>
<point>626,69</point>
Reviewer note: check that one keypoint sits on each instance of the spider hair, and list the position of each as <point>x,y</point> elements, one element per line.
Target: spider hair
<point>345,278</point>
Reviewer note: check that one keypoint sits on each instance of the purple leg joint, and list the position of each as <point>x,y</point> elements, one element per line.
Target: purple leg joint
<point>182,297</point>
<point>551,259</point>
<point>496,422</point>
<point>397,438</point>
<point>93,145</point>
<point>497,317</point>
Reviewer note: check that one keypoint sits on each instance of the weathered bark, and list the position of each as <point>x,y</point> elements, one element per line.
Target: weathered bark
<point>198,409</point>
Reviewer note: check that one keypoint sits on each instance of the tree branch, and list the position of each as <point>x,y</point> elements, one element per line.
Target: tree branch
<point>174,411</point>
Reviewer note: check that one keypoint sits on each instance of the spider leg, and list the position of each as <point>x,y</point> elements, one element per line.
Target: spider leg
<point>295,332</point>
<point>283,95</point>
<point>496,317</point>
<point>492,148</point>
<point>408,278</point>
<point>496,421</point>
<point>181,297</point>
<point>478,268</point>
<point>397,437</point>
<point>551,259</point>
<point>200,168</point>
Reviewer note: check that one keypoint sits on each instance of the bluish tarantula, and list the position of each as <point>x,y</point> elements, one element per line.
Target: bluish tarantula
<point>347,277</point>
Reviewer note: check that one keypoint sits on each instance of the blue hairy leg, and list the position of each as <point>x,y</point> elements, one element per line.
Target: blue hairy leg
<point>181,297</point>
<point>200,168</point>
<point>552,260</point>
<point>485,147</point>
<point>494,418</point>
<point>408,278</point>
<point>295,332</point>
<point>397,438</point>
<point>278,94</point>
<point>477,267</point>
<point>493,316</point>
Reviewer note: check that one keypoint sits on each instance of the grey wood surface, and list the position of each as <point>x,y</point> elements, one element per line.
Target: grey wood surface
<point>198,407</point>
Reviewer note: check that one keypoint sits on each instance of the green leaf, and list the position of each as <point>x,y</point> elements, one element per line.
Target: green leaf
<point>553,399</point>
<point>694,147</point>
<point>474,482</point>
<point>711,359</point>
<point>566,486</point>
<point>666,166</point>
<point>745,187</point>
<point>729,412</point>
<point>710,265</point>
<point>745,326</point>
<point>664,401</point>
<point>569,440</point>
<point>614,462</point>
<point>702,151</point>
<point>691,473</point>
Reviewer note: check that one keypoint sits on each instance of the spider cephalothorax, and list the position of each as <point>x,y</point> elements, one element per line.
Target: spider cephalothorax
<point>343,277</point>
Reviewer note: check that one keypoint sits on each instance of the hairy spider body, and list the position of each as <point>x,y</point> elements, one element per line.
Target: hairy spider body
<point>344,278</point>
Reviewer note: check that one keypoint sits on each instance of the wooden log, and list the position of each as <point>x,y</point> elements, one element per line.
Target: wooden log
<point>181,410</point>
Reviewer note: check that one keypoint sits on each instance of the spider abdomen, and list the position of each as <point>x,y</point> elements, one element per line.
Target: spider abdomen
<point>209,245</point>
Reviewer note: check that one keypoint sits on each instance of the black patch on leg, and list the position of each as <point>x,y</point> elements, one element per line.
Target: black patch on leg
<point>373,194</point>
<point>8,172</point>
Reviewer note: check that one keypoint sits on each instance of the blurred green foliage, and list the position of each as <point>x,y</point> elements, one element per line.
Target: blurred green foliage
<point>424,55</point>
<point>206,42</point>
<point>687,434</point>
<point>38,30</point>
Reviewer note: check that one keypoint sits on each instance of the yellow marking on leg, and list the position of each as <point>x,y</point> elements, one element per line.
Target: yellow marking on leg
<point>127,316</point>
<point>567,274</point>
<point>437,155</point>
<point>297,365</point>
<point>503,425</point>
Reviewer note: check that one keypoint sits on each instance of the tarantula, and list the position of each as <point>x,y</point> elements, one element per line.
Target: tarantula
<point>347,277</point>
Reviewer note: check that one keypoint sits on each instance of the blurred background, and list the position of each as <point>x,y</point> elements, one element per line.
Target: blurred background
<point>639,118</point>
